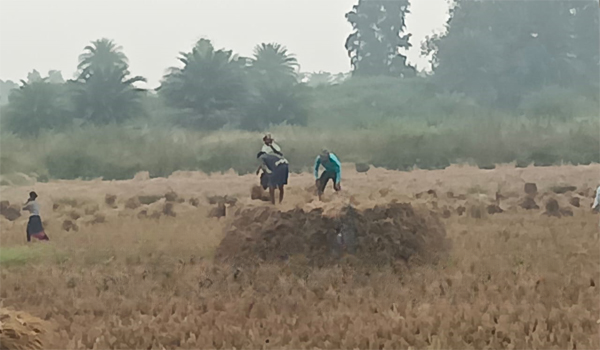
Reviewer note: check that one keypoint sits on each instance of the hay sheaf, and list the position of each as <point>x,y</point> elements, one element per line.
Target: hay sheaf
<point>21,331</point>
<point>383,235</point>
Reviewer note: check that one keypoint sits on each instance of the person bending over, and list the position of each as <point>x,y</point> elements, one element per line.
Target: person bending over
<point>333,171</point>
<point>276,170</point>
<point>269,147</point>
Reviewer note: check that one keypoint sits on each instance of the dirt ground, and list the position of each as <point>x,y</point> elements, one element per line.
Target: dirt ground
<point>139,263</point>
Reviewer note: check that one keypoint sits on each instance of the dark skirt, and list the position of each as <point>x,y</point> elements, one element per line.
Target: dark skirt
<point>35,229</point>
<point>279,177</point>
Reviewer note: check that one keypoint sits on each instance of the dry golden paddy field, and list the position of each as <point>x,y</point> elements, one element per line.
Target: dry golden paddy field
<point>128,275</point>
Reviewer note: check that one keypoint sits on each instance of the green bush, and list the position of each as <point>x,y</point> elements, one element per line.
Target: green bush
<point>558,103</point>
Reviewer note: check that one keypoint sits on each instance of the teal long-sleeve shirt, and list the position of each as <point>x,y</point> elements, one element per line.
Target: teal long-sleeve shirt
<point>333,165</point>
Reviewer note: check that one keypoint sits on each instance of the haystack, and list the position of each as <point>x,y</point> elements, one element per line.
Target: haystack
<point>10,212</point>
<point>218,212</point>
<point>21,331</point>
<point>383,235</point>
<point>362,167</point>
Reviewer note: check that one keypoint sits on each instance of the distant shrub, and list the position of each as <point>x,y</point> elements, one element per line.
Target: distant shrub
<point>558,103</point>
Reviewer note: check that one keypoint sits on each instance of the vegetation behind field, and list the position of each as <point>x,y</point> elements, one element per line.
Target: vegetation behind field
<point>510,82</point>
<point>115,152</point>
<point>381,121</point>
<point>385,122</point>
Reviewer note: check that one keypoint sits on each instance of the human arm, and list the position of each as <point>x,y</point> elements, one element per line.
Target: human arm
<point>317,165</point>
<point>27,206</point>
<point>338,168</point>
<point>276,149</point>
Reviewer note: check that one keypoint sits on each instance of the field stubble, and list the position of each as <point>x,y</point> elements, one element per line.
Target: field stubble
<point>514,279</point>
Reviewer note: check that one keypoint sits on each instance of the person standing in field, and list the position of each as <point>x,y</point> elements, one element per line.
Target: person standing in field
<point>333,171</point>
<point>596,205</point>
<point>34,225</point>
<point>276,170</point>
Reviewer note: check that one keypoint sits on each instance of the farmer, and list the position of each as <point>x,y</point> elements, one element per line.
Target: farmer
<point>333,171</point>
<point>596,205</point>
<point>276,171</point>
<point>270,147</point>
<point>34,226</point>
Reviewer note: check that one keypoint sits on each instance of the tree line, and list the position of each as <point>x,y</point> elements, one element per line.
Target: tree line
<point>209,89</point>
<point>500,54</point>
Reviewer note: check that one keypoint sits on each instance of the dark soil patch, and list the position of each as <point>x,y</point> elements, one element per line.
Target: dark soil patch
<point>529,203</point>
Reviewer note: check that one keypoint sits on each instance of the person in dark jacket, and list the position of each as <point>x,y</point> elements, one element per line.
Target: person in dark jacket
<point>34,225</point>
<point>276,171</point>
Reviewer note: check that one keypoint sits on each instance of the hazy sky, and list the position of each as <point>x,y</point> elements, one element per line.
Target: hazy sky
<point>50,34</point>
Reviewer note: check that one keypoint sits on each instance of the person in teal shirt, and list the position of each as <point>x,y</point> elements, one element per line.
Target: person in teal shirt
<point>333,171</point>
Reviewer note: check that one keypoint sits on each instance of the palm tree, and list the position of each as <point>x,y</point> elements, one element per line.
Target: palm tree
<point>102,54</point>
<point>276,97</point>
<point>209,81</point>
<point>109,96</point>
<point>104,91</point>
<point>273,105</point>
<point>273,61</point>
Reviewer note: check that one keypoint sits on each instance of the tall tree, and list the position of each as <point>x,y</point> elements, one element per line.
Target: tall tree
<point>209,81</point>
<point>37,106</point>
<point>275,94</point>
<point>273,61</point>
<point>105,91</point>
<point>6,88</point>
<point>34,76</point>
<point>585,45</point>
<point>101,54</point>
<point>499,51</point>
<point>378,37</point>
<point>55,77</point>
<point>108,96</point>
<point>273,104</point>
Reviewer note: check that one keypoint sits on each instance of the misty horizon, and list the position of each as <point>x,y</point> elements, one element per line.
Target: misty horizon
<point>163,30</point>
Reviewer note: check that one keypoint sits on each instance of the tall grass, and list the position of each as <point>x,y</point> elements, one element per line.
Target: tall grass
<point>116,152</point>
<point>391,123</point>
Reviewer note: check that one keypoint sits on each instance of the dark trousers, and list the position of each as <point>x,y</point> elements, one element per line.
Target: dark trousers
<point>324,179</point>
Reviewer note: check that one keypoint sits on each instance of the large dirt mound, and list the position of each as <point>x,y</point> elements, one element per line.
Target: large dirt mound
<point>379,236</point>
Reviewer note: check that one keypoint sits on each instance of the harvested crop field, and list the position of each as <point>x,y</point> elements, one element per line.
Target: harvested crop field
<point>461,258</point>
